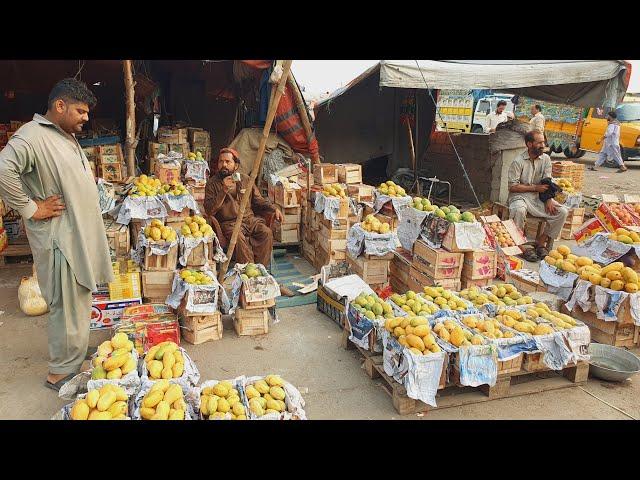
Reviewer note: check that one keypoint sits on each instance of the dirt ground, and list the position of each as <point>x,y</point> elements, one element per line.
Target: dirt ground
<point>304,347</point>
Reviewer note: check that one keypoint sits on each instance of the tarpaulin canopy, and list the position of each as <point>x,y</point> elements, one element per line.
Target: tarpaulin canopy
<point>584,83</point>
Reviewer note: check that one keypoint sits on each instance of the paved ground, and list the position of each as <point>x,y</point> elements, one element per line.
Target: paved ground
<point>304,347</point>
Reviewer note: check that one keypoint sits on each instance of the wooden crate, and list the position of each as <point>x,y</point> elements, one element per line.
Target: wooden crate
<point>479,264</point>
<point>118,238</point>
<point>469,282</point>
<point>437,263</point>
<point>167,173</point>
<point>173,216</point>
<point>333,233</point>
<point>524,285</point>
<point>158,263</point>
<point>172,135</point>
<point>197,192</point>
<point>201,336</point>
<point>372,271</point>
<point>157,148</point>
<point>198,321</point>
<point>324,173</point>
<point>197,257</point>
<point>361,192</point>
<point>287,233</point>
<point>332,245</point>
<point>156,285</point>
<point>255,304</point>
<point>198,137</point>
<point>399,269</point>
<point>610,333</point>
<point>510,366</point>
<point>292,215</point>
<point>392,220</point>
<point>286,197</point>
<point>349,173</point>
<point>251,322</point>
<point>418,280</point>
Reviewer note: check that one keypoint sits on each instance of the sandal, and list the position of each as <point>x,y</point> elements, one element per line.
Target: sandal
<point>56,386</point>
<point>542,252</point>
<point>620,170</point>
<point>593,169</point>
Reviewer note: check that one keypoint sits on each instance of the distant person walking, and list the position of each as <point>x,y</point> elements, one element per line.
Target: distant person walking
<point>537,123</point>
<point>496,118</point>
<point>611,147</point>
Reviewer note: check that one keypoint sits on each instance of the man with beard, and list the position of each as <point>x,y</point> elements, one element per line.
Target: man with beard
<point>525,186</point>
<point>222,201</point>
<point>46,177</point>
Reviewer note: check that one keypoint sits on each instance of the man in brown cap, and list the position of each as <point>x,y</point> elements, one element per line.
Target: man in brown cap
<point>222,201</point>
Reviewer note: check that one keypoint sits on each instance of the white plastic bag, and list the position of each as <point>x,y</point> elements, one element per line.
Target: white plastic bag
<point>30,297</point>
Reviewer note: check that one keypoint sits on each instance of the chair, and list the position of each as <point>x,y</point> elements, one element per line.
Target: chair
<point>539,229</point>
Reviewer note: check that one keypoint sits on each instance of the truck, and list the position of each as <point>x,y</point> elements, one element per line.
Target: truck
<point>466,111</point>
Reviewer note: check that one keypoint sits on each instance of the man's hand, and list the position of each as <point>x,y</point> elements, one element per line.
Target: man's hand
<point>540,188</point>
<point>279,216</point>
<point>51,207</point>
<point>550,207</point>
<point>228,183</point>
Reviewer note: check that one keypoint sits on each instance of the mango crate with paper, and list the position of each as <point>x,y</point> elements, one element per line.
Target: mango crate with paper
<point>109,402</point>
<point>156,247</point>
<point>168,361</point>
<point>196,290</point>
<point>164,400</point>
<point>222,400</point>
<point>273,398</point>
<point>198,243</point>
<point>365,318</point>
<point>253,286</point>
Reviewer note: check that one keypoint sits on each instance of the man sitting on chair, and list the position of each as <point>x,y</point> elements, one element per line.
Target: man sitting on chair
<point>223,196</point>
<point>525,184</point>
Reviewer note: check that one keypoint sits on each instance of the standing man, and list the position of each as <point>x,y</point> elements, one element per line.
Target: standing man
<point>45,176</point>
<point>537,119</point>
<point>496,118</point>
<point>525,184</point>
<point>611,147</point>
<point>222,202</point>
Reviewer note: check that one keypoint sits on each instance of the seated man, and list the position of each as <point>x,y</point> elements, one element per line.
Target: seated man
<point>222,201</point>
<point>525,177</point>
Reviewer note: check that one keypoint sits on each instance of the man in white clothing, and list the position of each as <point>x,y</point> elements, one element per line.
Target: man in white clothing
<point>496,118</point>
<point>611,147</point>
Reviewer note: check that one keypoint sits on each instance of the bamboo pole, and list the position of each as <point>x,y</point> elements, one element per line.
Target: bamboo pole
<point>131,142</point>
<point>257,164</point>
<point>302,110</point>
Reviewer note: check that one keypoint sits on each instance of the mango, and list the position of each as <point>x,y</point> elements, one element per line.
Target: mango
<point>616,285</point>
<point>615,266</point>
<point>238,409</point>
<point>584,261</point>
<point>152,398</point>
<point>92,398</point>
<point>221,389</point>
<point>277,393</point>
<point>105,401</point>
<point>415,342</point>
<point>631,287</point>
<point>129,366</point>
<point>273,405</point>
<point>168,361</point>
<point>162,411</point>
<point>176,414</point>
<point>155,369</point>
<point>98,415</point>
<point>223,405</point>
<point>421,330</point>
<point>173,393</point>
<point>114,374</point>
<point>112,363</point>
<point>212,404</point>
<point>177,369</point>
<point>630,276</point>
<point>255,407</point>
<point>274,380</point>
<point>118,408</point>
<point>605,282</point>
<point>80,411</point>
<point>614,275</point>
<point>563,250</point>
<point>595,278</point>
<point>98,373</point>
<point>162,385</point>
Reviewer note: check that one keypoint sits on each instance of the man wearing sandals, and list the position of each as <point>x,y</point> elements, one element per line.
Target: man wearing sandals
<point>611,147</point>
<point>46,177</point>
<point>525,177</point>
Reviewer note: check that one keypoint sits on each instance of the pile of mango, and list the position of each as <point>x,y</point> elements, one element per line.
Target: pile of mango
<point>196,227</point>
<point>413,303</point>
<point>501,294</point>
<point>106,403</point>
<point>251,270</point>
<point>164,361</point>
<point>222,398</point>
<point>372,307</point>
<point>145,186</point>
<point>423,204</point>
<point>523,322</point>
<point>391,189</point>
<point>625,236</point>
<point>164,401</point>
<point>196,156</point>
<point>372,224</point>
<point>115,358</point>
<point>157,231</point>
<point>563,259</point>
<point>266,396</point>
<point>445,299</point>
<point>453,215</point>
<point>414,333</point>
<point>334,190</point>
<point>453,333</point>
<point>489,328</point>
<point>561,321</point>
<point>195,277</point>
<point>565,184</point>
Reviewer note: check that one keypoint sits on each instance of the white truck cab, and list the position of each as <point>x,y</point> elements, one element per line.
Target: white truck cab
<point>486,105</point>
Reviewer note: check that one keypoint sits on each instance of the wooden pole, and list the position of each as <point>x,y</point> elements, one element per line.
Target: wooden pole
<point>257,164</point>
<point>131,142</point>
<point>302,110</point>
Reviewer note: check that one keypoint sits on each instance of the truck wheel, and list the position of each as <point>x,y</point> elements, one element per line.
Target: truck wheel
<point>580,153</point>
<point>567,153</point>
<point>477,129</point>
<point>624,153</point>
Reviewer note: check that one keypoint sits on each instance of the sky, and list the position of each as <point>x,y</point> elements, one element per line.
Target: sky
<point>321,76</point>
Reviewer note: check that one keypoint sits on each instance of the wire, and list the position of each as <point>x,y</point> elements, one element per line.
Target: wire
<point>464,170</point>
<point>608,404</point>
<point>80,67</point>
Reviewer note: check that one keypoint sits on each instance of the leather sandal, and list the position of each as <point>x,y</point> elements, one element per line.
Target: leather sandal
<point>530,255</point>
<point>542,252</point>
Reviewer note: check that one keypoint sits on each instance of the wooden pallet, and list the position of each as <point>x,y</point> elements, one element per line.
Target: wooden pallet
<point>508,385</point>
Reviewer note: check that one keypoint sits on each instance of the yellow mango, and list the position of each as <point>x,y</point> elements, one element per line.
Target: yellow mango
<point>98,415</point>
<point>614,275</point>
<point>617,285</point>
<point>129,366</point>
<point>177,369</point>
<point>105,401</point>
<point>178,356</point>
<point>173,393</point>
<point>422,330</point>
<point>631,287</point>
<point>273,405</point>
<point>152,398</point>
<point>563,250</point>
<point>176,414</point>
<point>152,352</point>
<point>251,392</point>
<point>114,374</point>
<point>583,261</point>
<point>118,408</point>
<point>398,331</point>
<point>415,342</point>
<point>278,392</point>
<point>168,361</point>
<point>162,385</point>
<point>274,380</point>
<point>118,361</point>
<point>155,369</point>
<point>238,409</point>
<point>615,266</point>
<point>630,276</point>
<point>80,411</point>
<point>167,373</point>
<point>162,410</point>
<point>256,407</point>
<point>92,398</point>
<point>223,405</point>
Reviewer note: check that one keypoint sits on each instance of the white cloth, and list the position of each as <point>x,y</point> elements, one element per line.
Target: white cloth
<point>537,122</point>
<point>611,147</point>
<point>494,119</point>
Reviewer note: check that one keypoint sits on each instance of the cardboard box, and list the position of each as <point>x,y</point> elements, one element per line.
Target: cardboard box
<point>419,280</point>
<point>324,173</point>
<point>517,235</point>
<point>436,262</point>
<point>506,261</point>
<point>124,265</point>
<point>588,230</point>
<point>111,172</point>
<point>125,286</point>
<point>181,148</point>
<point>118,238</point>
<point>526,281</point>
<point>349,173</point>
<point>106,313</point>
<point>606,214</point>
<point>479,264</point>
<point>469,282</point>
<point>168,172</point>
<point>156,149</point>
<point>172,135</point>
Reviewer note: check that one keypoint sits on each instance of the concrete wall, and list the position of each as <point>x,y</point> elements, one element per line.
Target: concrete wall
<point>486,158</point>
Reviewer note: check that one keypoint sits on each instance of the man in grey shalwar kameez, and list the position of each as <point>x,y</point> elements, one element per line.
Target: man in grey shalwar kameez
<point>525,174</point>
<point>46,177</point>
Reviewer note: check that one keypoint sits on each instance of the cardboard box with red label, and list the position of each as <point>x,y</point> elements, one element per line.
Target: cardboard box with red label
<point>503,234</point>
<point>479,265</point>
<point>617,215</point>
<point>588,230</point>
<point>106,313</point>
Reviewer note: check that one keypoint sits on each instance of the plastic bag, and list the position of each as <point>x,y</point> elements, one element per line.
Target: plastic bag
<point>30,297</point>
